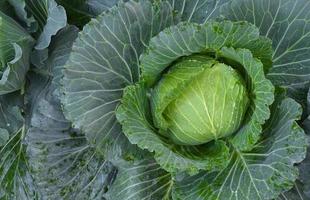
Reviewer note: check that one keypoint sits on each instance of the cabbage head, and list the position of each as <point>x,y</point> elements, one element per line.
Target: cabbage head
<point>210,105</point>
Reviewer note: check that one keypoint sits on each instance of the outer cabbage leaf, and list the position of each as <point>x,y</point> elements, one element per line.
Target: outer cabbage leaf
<point>80,12</point>
<point>50,18</point>
<point>262,173</point>
<point>287,24</point>
<point>185,39</point>
<point>104,60</point>
<point>64,164</point>
<point>15,47</point>
<point>142,180</point>
<point>299,93</point>
<point>134,115</point>
<point>301,189</point>
<point>16,180</point>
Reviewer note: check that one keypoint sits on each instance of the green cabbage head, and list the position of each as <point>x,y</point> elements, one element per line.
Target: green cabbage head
<point>211,104</point>
<point>202,94</point>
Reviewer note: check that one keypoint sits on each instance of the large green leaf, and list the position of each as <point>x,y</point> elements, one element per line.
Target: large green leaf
<point>134,115</point>
<point>50,19</point>
<point>262,173</point>
<point>142,180</point>
<point>63,163</point>
<point>104,60</point>
<point>287,24</point>
<point>65,166</point>
<point>16,181</point>
<point>15,47</point>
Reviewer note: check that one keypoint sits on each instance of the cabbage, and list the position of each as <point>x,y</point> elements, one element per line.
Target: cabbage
<point>212,104</point>
<point>154,99</point>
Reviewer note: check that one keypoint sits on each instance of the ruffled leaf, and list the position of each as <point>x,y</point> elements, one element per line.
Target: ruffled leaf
<point>262,173</point>
<point>134,115</point>
<point>50,18</point>
<point>80,12</point>
<point>188,38</point>
<point>287,24</point>
<point>15,47</point>
<point>301,190</point>
<point>260,92</point>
